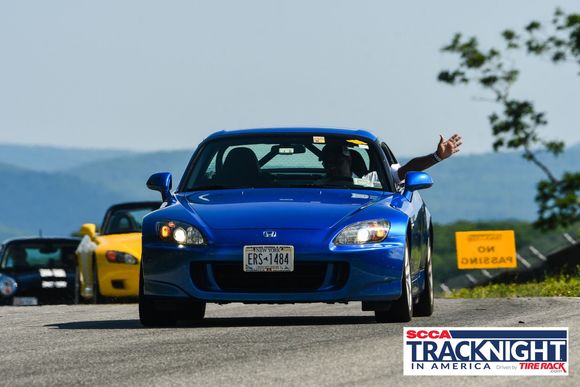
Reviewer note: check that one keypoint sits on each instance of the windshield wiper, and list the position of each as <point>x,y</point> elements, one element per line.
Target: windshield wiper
<point>319,186</point>
<point>338,186</point>
<point>211,187</point>
<point>214,187</point>
<point>302,186</point>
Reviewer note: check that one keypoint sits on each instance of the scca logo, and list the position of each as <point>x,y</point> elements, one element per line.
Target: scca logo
<point>421,334</point>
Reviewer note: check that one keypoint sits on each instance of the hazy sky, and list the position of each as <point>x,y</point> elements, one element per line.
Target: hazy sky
<point>157,75</point>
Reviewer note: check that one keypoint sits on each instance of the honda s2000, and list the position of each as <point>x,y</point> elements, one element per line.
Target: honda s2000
<point>287,216</point>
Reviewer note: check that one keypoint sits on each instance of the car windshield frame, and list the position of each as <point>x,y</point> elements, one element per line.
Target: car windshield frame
<point>198,165</point>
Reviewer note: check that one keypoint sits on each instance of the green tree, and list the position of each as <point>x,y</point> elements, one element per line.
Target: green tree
<point>517,124</point>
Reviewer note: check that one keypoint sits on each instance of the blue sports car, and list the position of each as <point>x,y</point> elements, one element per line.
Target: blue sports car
<point>287,216</point>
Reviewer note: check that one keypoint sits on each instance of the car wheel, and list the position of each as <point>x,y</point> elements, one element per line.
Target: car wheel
<point>193,312</point>
<point>148,313</point>
<point>402,309</point>
<point>426,302</point>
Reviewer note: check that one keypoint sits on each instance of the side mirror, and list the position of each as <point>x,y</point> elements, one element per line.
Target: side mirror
<point>161,182</point>
<point>415,181</point>
<point>88,229</point>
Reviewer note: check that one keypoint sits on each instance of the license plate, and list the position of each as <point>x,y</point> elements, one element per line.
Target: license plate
<point>268,258</point>
<point>24,301</point>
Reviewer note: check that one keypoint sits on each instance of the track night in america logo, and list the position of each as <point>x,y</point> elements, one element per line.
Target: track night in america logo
<point>486,351</point>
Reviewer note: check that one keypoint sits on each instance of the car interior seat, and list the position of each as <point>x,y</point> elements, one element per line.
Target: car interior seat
<point>240,168</point>
<point>358,165</point>
<point>121,224</point>
<point>19,257</point>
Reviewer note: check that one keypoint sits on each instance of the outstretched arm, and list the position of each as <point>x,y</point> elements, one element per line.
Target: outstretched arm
<point>445,149</point>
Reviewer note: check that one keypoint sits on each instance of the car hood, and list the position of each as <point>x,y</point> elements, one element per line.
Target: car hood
<point>128,243</point>
<point>277,208</point>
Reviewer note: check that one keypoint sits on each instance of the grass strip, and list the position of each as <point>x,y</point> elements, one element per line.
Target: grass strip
<point>560,286</point>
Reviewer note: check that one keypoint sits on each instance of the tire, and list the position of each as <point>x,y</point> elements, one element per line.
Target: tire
<point>402,309</point>
<point>148,313</point>
<point>193,312</point>
<point>425,306</point>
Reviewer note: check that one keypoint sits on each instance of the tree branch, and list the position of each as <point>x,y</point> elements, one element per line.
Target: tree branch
<point>530,156</point>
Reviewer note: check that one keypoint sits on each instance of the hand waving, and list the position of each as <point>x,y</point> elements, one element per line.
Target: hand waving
<point>446,148</point>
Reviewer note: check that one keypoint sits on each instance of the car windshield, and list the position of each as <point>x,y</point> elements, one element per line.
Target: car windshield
<point>287,161</point>
<point>126,220</point>
<point>38,255</point>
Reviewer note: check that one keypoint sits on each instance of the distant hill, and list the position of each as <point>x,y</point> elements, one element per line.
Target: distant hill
<point>55,203</point>
<point>128,175</point>
<point>491,186</point>
<point>51,159</point>
<point>473,187</point>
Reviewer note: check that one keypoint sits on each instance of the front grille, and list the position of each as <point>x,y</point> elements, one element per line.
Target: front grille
<point>306,277</point>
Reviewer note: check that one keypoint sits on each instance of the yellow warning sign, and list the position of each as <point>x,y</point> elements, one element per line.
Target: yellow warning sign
<point>486,249</point>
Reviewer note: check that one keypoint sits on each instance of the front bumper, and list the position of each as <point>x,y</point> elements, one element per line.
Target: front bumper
<point>214,274</point>
<point>117,279</point>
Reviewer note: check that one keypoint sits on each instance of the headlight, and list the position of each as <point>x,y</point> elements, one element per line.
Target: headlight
<point>7,286</point>
<point>369,231</point>
<point>181,233</point>
<point>120,257</point>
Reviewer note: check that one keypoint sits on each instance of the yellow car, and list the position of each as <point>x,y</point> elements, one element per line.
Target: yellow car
<point>109,261</point>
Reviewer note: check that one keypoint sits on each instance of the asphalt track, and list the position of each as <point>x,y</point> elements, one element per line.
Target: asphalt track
<point>253,345</point>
